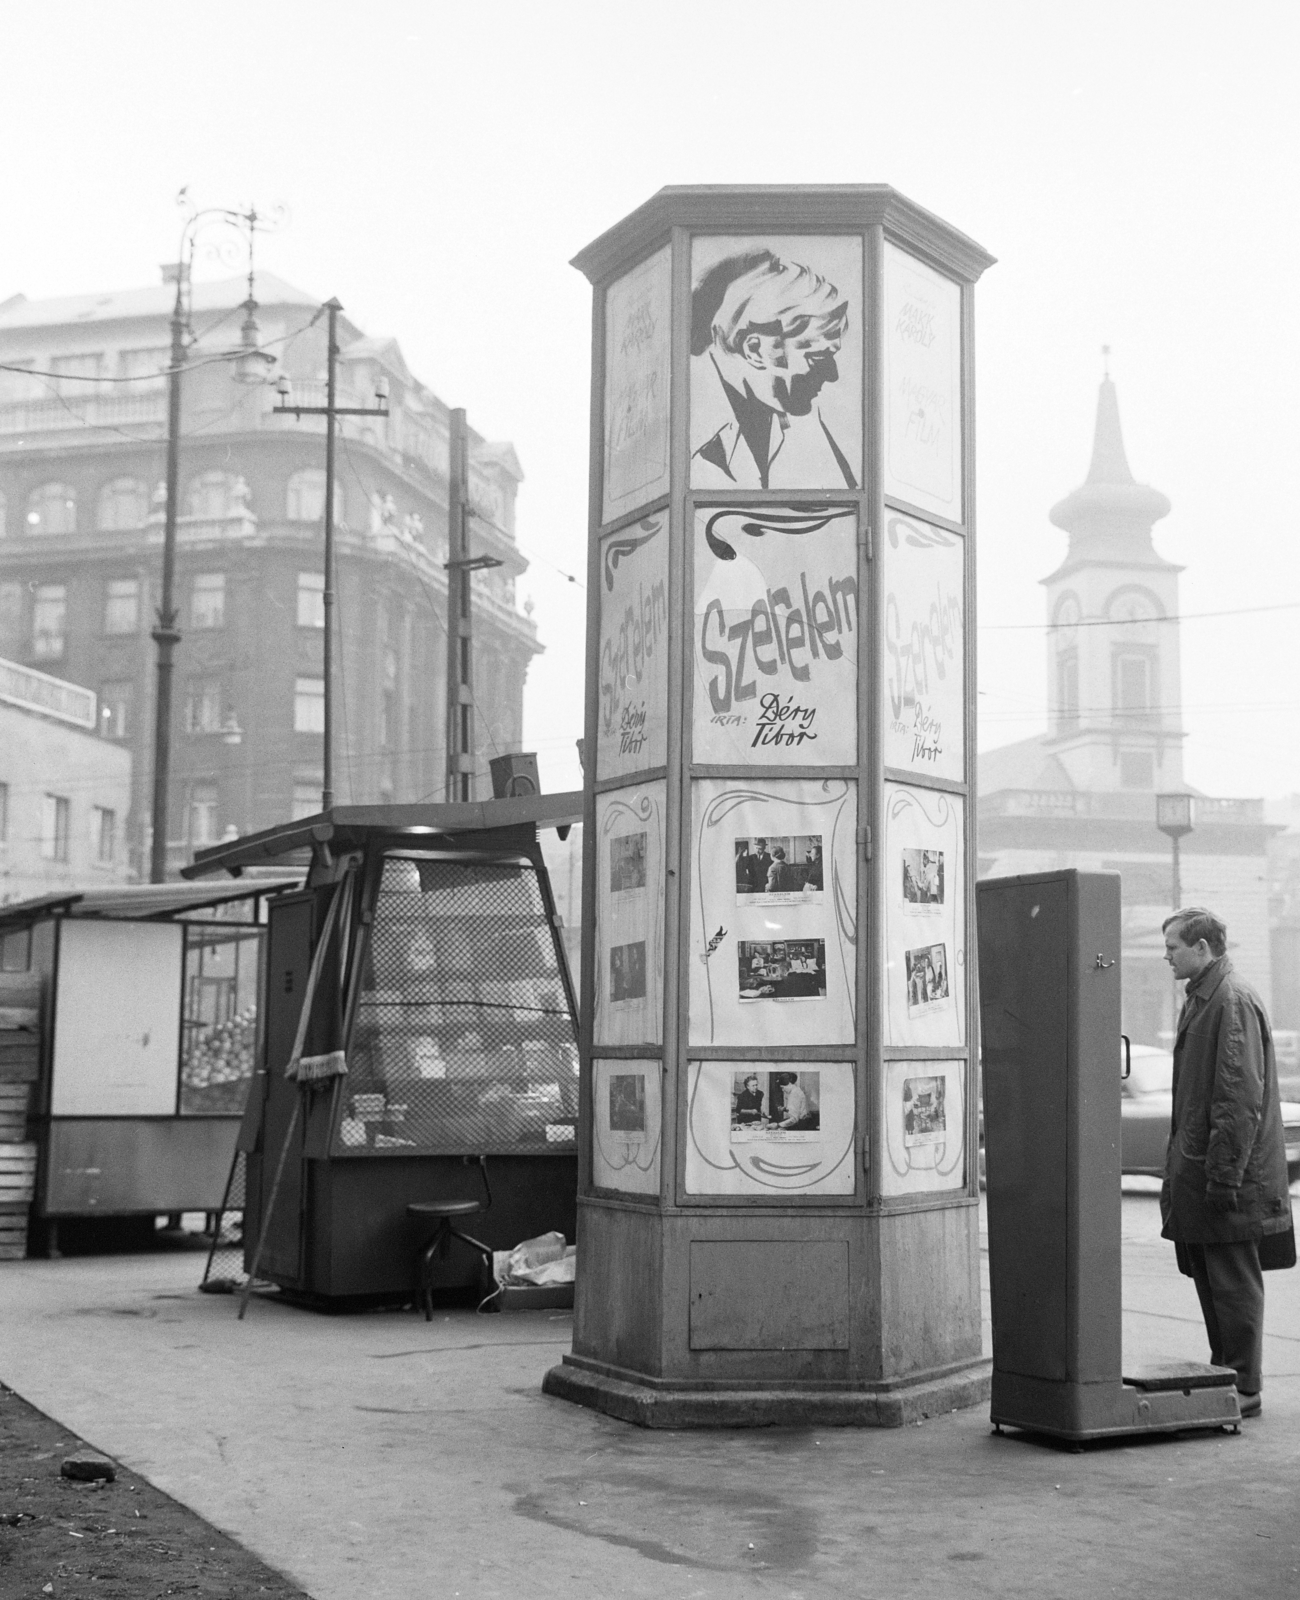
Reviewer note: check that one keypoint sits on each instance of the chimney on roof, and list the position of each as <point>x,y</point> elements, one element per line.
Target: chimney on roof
<point>175,271</point>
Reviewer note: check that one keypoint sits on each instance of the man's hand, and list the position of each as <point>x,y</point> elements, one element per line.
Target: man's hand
<point>1220,1199</point>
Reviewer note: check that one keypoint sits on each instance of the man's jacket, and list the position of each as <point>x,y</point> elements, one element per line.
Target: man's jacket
<point>1226,1127</point>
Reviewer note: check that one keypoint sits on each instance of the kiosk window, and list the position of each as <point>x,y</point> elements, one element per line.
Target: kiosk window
<point>463,1040</point>
<point>219,1025</point>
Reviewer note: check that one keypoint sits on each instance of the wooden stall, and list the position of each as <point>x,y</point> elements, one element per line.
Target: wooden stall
<point>137,1044</point>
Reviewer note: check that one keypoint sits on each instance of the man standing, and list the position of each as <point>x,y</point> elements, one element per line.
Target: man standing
<point>1225,1185</point>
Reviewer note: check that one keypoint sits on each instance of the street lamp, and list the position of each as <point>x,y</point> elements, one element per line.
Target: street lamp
<point>250,367</point>
<point>329,411</point>
<point>1174,817</point>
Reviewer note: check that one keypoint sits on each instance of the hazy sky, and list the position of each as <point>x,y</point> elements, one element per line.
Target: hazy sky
<point>1132,166</point>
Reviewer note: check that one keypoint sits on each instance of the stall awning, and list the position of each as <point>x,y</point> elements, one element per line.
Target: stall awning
<point>143,902</point>
<point>349,827</point>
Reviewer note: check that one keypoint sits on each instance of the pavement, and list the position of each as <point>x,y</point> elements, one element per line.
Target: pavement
<point>376,1455</point>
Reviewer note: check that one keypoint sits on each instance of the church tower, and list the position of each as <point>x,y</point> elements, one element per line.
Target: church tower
<point>1114,693</point>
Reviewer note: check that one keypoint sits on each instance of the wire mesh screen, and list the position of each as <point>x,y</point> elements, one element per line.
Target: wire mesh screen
<point>224,1270</point>
<point>463,1041</point>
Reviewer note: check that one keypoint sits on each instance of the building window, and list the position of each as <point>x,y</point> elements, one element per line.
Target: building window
<point>124,503</point>
<point>52,509</point>
<point>144,367</point>
<point>388,708</point>
<point>55,815</point>
<point>1136,769</point>
<point>311,599</point>
<point>306,798</point>
<point>203,706</point>
<point>122,605</point>
<point>78,375</point>
<point>11,618</point>
<point>211,495</point>
<point>203,814</point>
<point>304,499</point>
<point>4,813</point>
<point>208,600</point>
<point>103,834</point>
<point>116,710</point>
<point>49,621</point>
<point>1132,685</point>
<point>309,705</point>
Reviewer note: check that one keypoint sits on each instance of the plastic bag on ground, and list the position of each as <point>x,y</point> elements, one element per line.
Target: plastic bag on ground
<point>544,1260</point>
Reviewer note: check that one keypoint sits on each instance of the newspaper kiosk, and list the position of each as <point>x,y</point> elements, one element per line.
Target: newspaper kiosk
<point>427,952</point>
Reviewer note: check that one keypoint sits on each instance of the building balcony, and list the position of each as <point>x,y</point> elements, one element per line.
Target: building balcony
<point>1117,804</point>
<point>55,414</point>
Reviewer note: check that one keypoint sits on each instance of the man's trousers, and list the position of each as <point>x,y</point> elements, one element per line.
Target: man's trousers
<point>1231,1289</point>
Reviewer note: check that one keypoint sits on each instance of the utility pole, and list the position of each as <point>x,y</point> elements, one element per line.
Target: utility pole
<point>1174,818</point>
<point>329,411</point>
<point>166,635</point>
<point>460,616</point>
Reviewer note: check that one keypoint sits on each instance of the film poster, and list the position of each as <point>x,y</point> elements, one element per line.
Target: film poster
<point>925,964</point>
<point>638,323</point>
<point>769,1127</point>
<point>776,343</point>
<point>627,1120</point>
<point>923,678</point>
<point>922,347</point>
<point>924,1125</point>
<point>632,730</point>
<point>629,916</point>
<point>773,912</point>
<point>777,623</point>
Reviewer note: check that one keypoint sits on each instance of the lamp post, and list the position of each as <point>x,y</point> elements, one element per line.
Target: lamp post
<point>329,411</point>
<point>1174,817</point>
<point>250,367</point>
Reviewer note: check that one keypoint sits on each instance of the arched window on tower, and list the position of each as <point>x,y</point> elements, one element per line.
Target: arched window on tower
<point>1067,690</point>
<point>123,503</point>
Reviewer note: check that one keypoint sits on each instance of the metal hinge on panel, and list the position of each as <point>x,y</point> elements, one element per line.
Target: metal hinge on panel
<point>864,839</point>
<point>864,539</point>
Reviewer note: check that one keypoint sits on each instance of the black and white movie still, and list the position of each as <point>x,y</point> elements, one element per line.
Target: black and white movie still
<point>627,1102</point>
<point>627,972</point>
<point>627,853</point>
<point>927,977</point>
<point>924,1118</point>
<point>923,880</point>
<point>779,869</point>
<point>783,1105</point>
<point>785,969</point>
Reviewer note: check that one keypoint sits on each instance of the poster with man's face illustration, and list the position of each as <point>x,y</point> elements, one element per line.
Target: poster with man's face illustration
<point>776,346</point>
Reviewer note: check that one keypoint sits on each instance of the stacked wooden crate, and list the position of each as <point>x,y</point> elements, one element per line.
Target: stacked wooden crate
<point>19,1067</point>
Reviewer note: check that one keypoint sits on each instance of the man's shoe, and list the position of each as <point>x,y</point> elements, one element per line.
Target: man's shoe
<point>1250,1405</point>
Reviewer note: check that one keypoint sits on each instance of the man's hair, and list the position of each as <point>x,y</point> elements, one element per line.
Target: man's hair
<point>779,850</point>
<point>1195,923</point>
<point>759,293</point>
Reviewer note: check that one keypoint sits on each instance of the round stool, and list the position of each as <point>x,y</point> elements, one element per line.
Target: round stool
<point>441,1213</point>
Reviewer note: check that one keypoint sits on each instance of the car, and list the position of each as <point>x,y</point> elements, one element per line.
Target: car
<point>1146,1098</point>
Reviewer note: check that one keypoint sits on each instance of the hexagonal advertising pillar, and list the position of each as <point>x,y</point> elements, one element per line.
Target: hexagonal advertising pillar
<point>778,1184</point>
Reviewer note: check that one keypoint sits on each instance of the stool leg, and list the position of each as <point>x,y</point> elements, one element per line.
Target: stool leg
<point>424,1277</point>
<point>480,1247</point>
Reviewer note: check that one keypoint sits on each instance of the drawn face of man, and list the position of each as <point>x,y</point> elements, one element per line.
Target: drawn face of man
<point>789,372</point>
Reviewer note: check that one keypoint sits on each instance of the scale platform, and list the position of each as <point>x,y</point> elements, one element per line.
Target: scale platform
<point>1167,1397</point>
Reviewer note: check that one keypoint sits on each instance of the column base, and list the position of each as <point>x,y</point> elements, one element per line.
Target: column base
<point>654,1403</point>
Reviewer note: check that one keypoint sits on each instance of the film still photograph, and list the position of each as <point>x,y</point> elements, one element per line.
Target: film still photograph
<point>627,853</point>
<point>627,972</point>
<point>923,880</point>
<point>785,969</point>
<point>927,977</point>
<point>627,1102</point>
<point>924,1117</point>
<point>779,1106</point>
<point>779,870</point>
